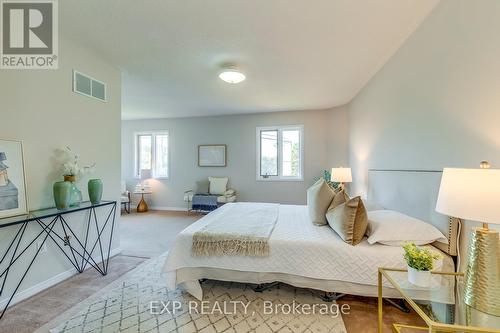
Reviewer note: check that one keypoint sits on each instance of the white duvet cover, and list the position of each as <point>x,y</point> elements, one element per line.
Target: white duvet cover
<point>297,247</point>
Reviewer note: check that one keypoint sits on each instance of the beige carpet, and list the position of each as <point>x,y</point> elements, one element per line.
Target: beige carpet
<point>124,306</point>
<point>153,233</point>
<point>30,314</point>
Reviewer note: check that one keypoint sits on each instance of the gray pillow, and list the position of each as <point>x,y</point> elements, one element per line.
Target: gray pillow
<point>319,197</point>
<point>202,186</point>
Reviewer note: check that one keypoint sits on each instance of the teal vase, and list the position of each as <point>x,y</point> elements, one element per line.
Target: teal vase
<point>76,195</point>
<point>62,194</point>
<point>95,191</point>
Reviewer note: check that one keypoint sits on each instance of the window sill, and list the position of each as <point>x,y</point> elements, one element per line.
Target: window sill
<point>159,178</point>
<point>260,179</point>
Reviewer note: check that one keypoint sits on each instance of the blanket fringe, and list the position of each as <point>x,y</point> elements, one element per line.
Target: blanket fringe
<point>230,247</point>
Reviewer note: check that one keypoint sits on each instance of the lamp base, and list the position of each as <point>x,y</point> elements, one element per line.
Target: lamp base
<point>482,276</point>
<point>142,207</point>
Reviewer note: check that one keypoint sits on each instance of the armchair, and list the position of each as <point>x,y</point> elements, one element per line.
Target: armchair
<point>125,197</point>
<point>229,195</point>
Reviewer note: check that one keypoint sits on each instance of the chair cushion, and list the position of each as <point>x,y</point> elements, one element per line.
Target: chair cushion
<point>124,198</point>
<point>218,185</point>
<point>202,186</point>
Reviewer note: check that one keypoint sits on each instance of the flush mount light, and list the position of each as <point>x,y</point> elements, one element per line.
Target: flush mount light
<point>231,75</point>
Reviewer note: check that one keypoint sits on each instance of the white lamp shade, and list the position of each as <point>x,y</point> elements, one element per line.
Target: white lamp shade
<point>470,194</point>
<point>145,173</point>
<point>341,175</point>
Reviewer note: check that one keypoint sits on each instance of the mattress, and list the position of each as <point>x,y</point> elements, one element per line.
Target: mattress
<point>299,248</point>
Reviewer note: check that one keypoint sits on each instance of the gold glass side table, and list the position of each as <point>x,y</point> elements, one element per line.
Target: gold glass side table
<point>142,207</point>
<point>440,306</point>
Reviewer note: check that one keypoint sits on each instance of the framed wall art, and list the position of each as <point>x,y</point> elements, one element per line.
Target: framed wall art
<point>212,155</point>
<point>13,194</point>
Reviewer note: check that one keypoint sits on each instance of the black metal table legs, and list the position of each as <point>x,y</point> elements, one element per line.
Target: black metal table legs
<point>79,252</point>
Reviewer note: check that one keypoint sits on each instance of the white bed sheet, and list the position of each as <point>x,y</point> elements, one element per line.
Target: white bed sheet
<point>297,247</point>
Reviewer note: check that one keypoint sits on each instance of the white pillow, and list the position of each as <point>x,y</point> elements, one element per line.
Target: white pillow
<point>218,185</point>
<point>393,228</point>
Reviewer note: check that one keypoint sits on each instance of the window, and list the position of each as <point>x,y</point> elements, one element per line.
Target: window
<point>152,153</point>
<point>280,153</point>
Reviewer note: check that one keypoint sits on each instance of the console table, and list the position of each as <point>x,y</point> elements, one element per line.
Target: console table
<point>77,247</point>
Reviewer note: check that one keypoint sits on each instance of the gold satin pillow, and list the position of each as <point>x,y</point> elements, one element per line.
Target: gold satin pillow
<point>348,218</point>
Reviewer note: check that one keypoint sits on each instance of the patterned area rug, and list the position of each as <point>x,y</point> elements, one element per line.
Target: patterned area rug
<point>139,302</point>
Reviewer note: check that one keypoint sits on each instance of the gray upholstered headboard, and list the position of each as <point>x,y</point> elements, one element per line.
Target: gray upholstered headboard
<point>414,193</point>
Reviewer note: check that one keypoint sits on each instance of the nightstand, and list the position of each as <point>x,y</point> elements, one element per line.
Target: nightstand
<point>440,306</point>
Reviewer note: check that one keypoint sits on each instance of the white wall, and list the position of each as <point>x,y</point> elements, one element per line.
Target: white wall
<point>39,107</point>
<point>325,139</point>
<point>436,103</point>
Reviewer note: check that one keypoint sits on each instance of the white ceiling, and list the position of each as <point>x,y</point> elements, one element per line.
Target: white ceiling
<point>297,55</point>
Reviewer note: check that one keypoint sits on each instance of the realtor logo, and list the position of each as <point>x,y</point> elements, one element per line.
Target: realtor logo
<point>29,36</point>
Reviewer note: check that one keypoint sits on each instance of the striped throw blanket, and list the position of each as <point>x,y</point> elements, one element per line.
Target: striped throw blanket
<point>237,229</point>
<point>204,202</point>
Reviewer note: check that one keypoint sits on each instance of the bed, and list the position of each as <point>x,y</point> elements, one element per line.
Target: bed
<point>309,256</point>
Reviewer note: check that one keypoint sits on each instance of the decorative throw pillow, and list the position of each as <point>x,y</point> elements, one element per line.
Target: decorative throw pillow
<point>348,219</point>
<point>202,186</point>
<point>393,228</point>
<point>218,185</point>
<point>340,198</point>
<point>319,197</point>
<point>229,193</point>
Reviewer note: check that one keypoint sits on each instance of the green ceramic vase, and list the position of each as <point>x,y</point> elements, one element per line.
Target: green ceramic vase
<point>95,191</point>
<point>62,194</point>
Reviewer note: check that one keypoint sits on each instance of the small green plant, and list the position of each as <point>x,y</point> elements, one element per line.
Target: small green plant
<point>419,258</point>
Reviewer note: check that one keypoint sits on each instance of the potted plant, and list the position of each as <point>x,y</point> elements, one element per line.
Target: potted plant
<point>327,177</point>
<point>420,263</point>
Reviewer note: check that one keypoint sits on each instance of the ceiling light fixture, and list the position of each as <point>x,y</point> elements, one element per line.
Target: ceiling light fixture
<point>232,75</point>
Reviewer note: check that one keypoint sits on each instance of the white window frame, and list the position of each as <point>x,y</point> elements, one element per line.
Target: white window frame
<point>153,153</point>
<point>280,130</point>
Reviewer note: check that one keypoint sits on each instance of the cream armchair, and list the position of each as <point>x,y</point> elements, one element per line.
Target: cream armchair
<point>228,196</point>
<point>203,187</point>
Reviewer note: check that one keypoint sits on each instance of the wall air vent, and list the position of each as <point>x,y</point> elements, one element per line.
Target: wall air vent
<point>85,85</point>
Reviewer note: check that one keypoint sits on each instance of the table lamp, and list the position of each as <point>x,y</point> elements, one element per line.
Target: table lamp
<point>341,175</point>
<point>474,194</point>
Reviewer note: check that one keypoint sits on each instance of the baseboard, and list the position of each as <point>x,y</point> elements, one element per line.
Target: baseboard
<point>176,209</point>
<point>27,293</point>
